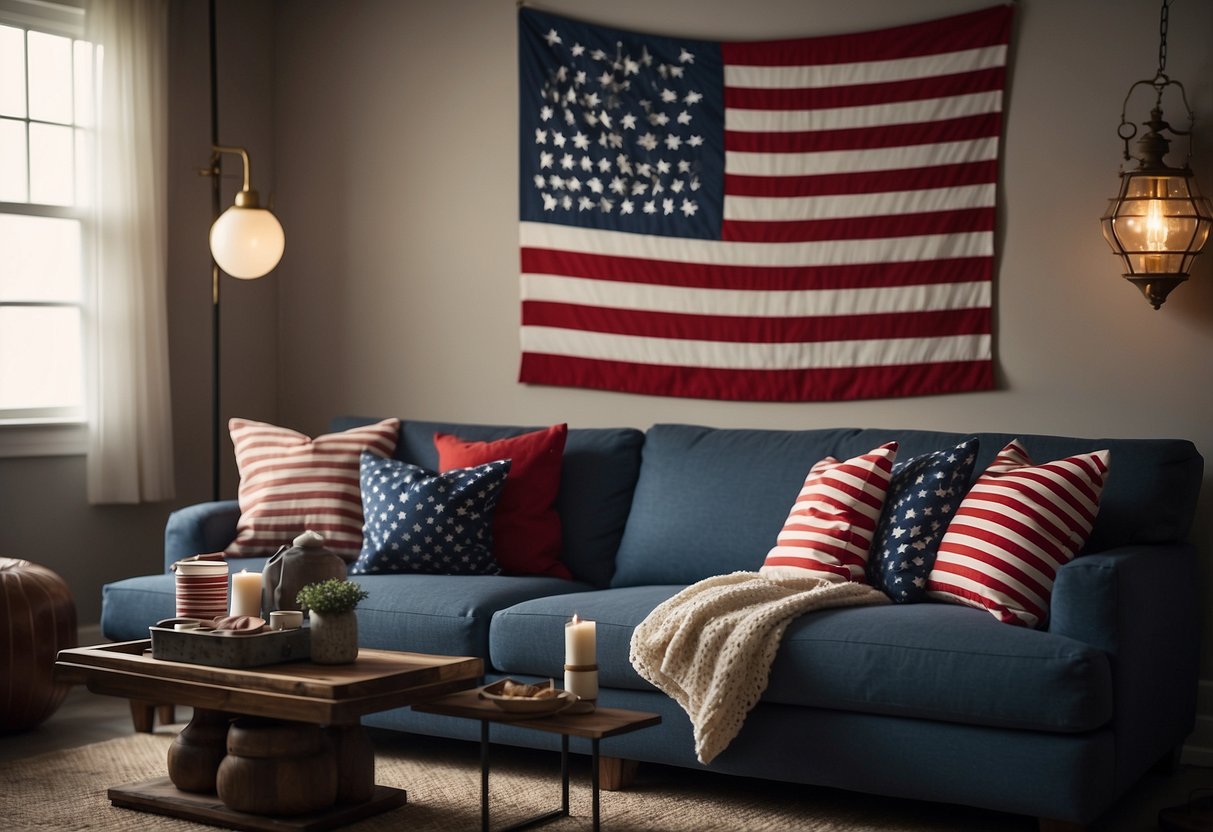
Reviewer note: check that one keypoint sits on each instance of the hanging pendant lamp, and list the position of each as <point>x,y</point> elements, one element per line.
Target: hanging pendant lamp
<point>1159,221</point>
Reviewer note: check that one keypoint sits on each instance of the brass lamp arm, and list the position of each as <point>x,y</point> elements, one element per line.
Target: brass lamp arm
<point>243,158</point>
<point>247,198</point>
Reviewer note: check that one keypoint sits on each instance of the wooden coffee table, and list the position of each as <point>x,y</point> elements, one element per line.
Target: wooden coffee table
<point>299,693</point>
<point>594,726</point>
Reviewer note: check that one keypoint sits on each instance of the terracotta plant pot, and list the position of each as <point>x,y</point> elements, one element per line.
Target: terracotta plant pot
<point>334,637</point>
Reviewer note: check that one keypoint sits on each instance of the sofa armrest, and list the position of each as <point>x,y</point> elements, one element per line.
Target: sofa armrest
<point>198,529</point>
<point>1141,605</point>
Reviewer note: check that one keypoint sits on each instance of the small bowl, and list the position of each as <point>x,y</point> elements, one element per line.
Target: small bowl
<point>188,624</point>
<point>526,706</point>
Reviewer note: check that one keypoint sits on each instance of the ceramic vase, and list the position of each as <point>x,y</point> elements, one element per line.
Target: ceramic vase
<point>334,637</point>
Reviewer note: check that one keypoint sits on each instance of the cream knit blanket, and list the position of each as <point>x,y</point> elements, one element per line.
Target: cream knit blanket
<point>710,647</point>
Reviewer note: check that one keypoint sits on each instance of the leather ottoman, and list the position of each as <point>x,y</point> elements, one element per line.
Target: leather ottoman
<point>37,620</point>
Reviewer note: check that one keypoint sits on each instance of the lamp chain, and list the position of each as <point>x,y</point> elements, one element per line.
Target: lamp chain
<point>1163,15</point>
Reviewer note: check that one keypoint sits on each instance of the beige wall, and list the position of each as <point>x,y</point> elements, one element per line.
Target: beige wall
<point>387,131</point>
<point>396,161</point>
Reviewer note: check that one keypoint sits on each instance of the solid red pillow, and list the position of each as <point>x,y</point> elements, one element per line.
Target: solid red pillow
<point>526,527</point>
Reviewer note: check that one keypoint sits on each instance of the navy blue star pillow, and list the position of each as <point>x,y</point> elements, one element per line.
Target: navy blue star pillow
<point>420,521</point>
<point>923,497</point>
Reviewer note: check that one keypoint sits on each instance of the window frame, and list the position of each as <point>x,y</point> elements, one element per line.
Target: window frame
<point>57,431</point>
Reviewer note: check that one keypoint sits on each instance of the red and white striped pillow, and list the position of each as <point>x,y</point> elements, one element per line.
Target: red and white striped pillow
<point>829,529</point>
<point>1015,528</point>
<point>290,483</point>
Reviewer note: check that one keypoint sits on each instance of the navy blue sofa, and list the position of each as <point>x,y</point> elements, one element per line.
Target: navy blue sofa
<point>930,701</point>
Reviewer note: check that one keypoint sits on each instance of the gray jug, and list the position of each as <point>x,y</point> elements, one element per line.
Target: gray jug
<point>290,569</point>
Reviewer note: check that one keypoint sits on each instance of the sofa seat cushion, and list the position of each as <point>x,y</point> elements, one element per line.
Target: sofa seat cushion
<point>444,614</point>
<point>927,661</point>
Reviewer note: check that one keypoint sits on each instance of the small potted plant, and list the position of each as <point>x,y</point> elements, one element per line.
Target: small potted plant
<point>334,631</point>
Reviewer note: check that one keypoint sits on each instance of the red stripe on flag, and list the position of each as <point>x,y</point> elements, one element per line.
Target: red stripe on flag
<point>859,228</point>
<point>965,128</point>
<point>987,27</point>
<point>745,278</point>
<point>843,383</point>
<point>879,181</point>
<point>862,95</point>
<point>757,329</point>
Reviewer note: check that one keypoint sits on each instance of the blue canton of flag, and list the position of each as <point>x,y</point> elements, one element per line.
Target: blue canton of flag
<point>620,131</point>
<point>421,521</point>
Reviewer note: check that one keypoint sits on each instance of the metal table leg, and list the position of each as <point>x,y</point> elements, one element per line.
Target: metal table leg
<point>484,776</point>
<point>563,811</point>
<point>594,779</point>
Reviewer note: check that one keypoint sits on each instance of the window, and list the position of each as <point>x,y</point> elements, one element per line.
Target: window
<point>46,153</point>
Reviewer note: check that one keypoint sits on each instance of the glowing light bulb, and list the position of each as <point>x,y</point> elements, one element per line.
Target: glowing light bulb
<point>1156,226</point>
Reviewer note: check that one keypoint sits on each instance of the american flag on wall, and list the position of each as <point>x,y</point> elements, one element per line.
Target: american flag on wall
<point>797,220</point>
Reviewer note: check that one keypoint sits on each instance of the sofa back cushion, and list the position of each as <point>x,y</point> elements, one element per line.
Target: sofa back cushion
<point>597,478</point>
<point>711,501</point>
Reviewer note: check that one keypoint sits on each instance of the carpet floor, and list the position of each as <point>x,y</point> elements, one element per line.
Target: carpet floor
<point>66,790</point>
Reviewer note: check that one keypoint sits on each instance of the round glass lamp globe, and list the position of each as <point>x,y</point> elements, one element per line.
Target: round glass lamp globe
<point>247,242</point>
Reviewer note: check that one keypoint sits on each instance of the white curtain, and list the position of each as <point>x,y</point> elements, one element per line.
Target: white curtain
<point>130,454</point>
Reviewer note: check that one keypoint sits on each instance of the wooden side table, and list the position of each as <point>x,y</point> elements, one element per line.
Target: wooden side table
<point>594,726</point>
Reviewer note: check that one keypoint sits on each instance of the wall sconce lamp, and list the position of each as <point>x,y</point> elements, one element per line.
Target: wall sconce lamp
<point>1159,222</point>
<point>246,240</point>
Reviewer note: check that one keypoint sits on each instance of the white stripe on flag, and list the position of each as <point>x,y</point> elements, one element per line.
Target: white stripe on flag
<point>835,206</point>
<point>869,72</point>
<point>613,294</point>
<point>874,115</point>
<point>742,356</point>
<point>722,253</point>
<point>860,161</point>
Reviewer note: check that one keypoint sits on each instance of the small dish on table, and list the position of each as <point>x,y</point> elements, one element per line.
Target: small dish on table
<point>527,700</point>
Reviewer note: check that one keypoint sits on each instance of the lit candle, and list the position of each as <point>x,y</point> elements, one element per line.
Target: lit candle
<point>581,658</point>
<point>246,593</point>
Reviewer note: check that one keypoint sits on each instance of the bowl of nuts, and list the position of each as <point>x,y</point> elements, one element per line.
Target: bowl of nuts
<point>529,700</point>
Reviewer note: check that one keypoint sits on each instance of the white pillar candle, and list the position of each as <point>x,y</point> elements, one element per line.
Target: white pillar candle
<point>581,658</point>
<point>246,593</point>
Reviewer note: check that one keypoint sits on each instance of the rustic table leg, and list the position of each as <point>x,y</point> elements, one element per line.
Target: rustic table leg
<point>196,752</point>
<point>276,767</point>
<point>143,715</point>
<point>355,759</point>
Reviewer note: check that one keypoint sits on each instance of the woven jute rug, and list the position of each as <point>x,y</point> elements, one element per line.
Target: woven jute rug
<point>65,790</point>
